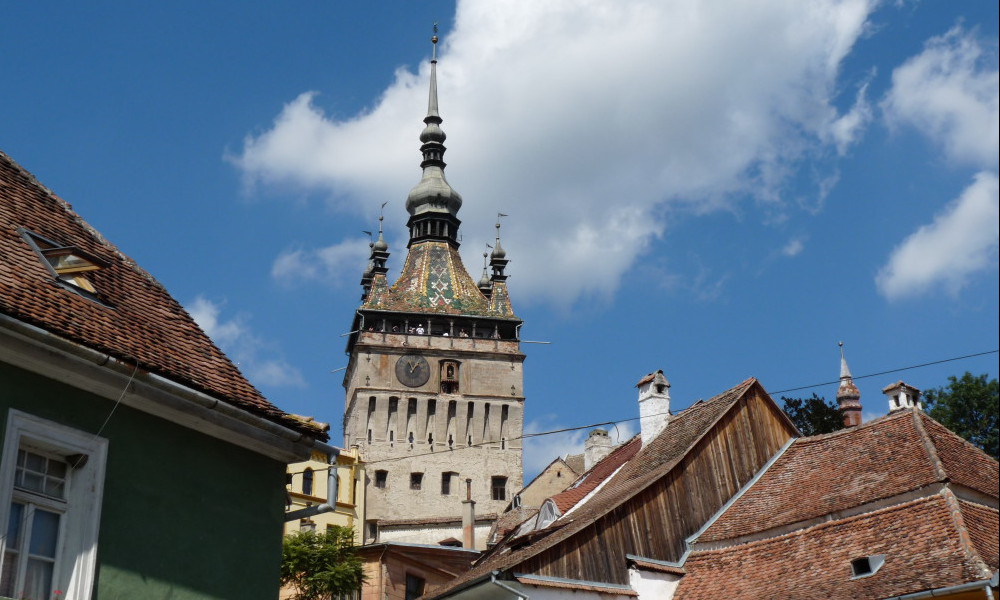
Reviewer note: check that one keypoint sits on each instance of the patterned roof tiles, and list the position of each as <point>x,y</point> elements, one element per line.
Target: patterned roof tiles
<point>138,321</point>
<point>434,280</point>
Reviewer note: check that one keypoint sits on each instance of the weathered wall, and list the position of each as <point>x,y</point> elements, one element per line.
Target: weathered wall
<point>185,516</point>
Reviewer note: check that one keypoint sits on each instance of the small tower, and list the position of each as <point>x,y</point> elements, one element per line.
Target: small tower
<point>848,396</point>
<point>901,395</point>
<point>654,405</point>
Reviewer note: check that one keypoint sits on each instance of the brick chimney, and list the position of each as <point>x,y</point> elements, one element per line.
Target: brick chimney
<point>654,405</point>
<point>901,395</point>
<point>597,446</point>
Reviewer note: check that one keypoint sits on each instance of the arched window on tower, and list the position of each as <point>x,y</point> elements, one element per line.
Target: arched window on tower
<point>449,377</point>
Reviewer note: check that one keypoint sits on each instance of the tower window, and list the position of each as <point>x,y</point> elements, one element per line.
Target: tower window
<point>381,479</point>
<point>416,480</point>
<point>446,479</point>
<point>449,377</point>
<point>499,487</point>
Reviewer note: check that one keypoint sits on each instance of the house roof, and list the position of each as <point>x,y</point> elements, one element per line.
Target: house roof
<point>645,466</point>
<point>135,320</point>
<point>590,480</point>
<point>901,452</point>
<point>921,541</point>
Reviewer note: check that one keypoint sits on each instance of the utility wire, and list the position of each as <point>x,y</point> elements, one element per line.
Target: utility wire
<point>579,427</point>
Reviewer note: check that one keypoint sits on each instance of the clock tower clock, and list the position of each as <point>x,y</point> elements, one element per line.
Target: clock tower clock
<point>434,383</point>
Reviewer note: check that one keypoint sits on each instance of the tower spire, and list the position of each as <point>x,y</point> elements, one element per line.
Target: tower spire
<point>498,258</point>
<point>848,396</point>
<point>433,204</point>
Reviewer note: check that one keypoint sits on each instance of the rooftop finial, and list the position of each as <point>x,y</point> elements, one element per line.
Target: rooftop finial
<point>434,44</point>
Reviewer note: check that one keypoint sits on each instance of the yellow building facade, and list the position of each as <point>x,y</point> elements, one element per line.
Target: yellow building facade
<point>307,485</point>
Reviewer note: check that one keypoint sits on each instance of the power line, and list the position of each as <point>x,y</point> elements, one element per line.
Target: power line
<point>579,427</point>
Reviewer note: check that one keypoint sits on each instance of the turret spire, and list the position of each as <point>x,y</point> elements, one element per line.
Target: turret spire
<point>848,396</point>
<point>498,258</point>
<point>432,203</point>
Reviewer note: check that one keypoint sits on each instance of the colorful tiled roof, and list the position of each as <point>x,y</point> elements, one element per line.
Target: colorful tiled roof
<point>920,540</point>
<point>138,321</point>
<point>880,459</point>
<point>434,280</point>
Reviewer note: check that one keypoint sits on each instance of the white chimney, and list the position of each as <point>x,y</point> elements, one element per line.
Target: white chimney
<point>901,395</point>
<point>654,405</point>
<point>597,446</point>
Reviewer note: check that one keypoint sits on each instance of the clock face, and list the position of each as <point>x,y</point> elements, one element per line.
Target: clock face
<point>412,370</point>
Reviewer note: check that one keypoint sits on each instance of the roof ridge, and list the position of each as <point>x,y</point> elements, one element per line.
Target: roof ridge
<point>819,437</point>
<point>929,446</point>
<point>823,525</point>
<point>958,520</point>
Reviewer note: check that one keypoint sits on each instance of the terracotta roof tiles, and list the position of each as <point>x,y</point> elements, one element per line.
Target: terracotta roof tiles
<point>841,470</point>
<point>137,321</point>
<point>918,539</point>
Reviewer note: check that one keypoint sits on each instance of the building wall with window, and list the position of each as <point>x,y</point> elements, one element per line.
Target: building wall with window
<point>175,510</point>
<point>306,484</point>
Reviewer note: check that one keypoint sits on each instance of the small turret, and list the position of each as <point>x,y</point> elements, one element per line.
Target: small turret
<point>848,396</point>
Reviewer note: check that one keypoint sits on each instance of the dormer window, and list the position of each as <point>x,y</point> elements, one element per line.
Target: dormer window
<point>866,565</point>
<point>68,264</point>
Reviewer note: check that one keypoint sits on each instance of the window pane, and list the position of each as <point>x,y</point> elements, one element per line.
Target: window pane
<point>33,482</point>
<point>35,462</point>
<point>14,524</point>
<point>44,533</point>
<point>38,579</point>
<point>57,468</point>
<point>7,576</point>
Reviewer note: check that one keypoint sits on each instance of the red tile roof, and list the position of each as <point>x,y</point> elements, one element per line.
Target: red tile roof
<point>899,453</point>
<point>981,523</point>
<point>919,539</point>
<point>140,323</point>
<point>589,481</point>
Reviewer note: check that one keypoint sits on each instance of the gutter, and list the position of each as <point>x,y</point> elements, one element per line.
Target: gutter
<point>985,585</point>
<point>186,395</point>
<point>332,485</point>
<point>507,588</point>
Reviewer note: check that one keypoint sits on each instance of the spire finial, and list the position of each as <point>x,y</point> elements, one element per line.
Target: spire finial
<point>434,44</point>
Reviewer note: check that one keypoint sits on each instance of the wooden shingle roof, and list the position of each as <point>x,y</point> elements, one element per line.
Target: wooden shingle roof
<point>131,316</point>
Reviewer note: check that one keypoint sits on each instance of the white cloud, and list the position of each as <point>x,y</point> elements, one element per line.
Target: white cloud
<point>962,240</point>
<point>793,247</point>
<point>950,93</point>
<point>339,264</point>
<point>242,346</point>
<point>582,119</point>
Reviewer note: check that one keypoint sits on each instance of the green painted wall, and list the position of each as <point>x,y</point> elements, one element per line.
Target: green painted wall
<point>185,516</point>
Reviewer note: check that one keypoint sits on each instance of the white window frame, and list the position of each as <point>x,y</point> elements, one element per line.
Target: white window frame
<point>76,556</point>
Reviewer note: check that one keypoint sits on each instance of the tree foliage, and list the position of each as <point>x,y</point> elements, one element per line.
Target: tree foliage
<point>318,565</point>
<point>968,406</point>
<point>813,415</point>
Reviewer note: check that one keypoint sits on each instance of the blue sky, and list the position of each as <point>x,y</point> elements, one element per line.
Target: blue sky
<point>718,189</point>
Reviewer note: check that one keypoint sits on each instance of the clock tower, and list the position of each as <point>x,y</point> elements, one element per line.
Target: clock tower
<point>434,395</point>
